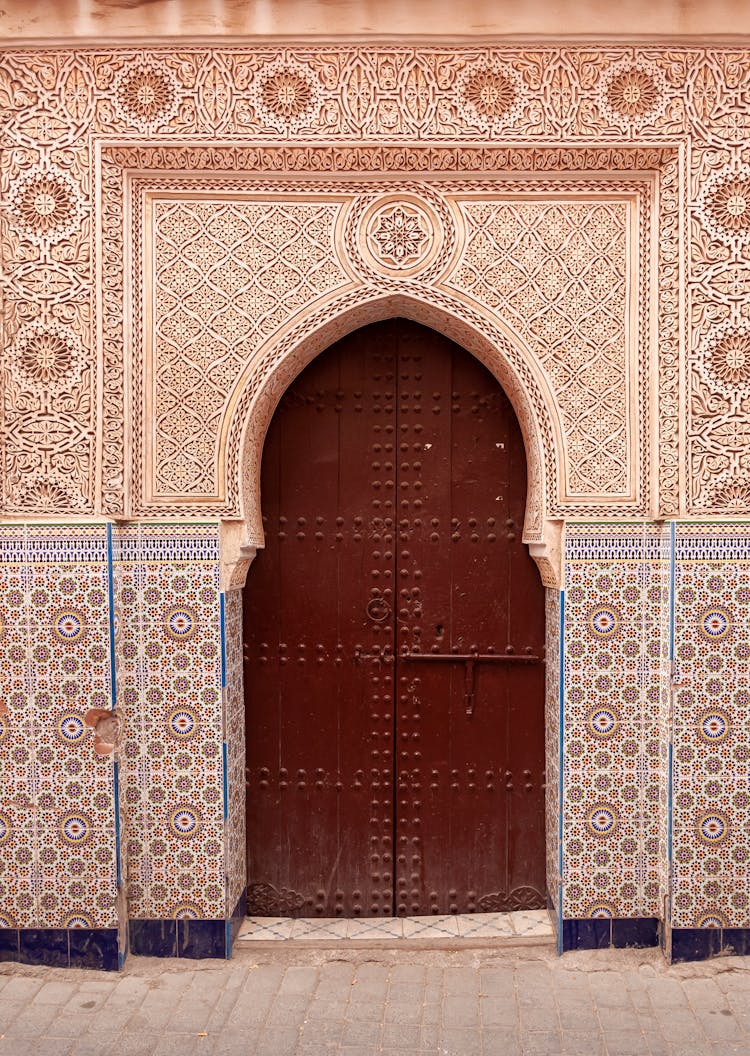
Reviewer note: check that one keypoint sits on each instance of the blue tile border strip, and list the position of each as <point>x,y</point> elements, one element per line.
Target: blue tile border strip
<point>700,944</point>
<point>688,944</point>
<point>196,939</point>
<point>62,947</point>
<point>604,933</point>
<point>235,921</point>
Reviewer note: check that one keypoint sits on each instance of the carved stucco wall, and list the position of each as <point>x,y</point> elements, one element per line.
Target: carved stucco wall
<point>553,279</point>
<point>504,160</point>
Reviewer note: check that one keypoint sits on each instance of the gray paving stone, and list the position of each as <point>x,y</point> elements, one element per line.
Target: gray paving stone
<point>577,1016</point>
<point>498,1012</point>
<point>18,1046</point>
<point>461,1042</point>
<point>429,1034</point>
<point>536,1019</point>
<point>233,1042</point>
<point>69,1025</point>
<point>298,981</point>
<point>137,1045</point>
<point>542,1043</point>
<point>403,1012</point>
<point>497,981</point>
<point>718,1026</point>
<point>582,1043</point>
<point>97,1046</point>
<point>500,1043</point>
<point>614,1019</point>
<point>406,1036</point>
<point>461,1011</point>
<point>405,993</point>
<point>177,1045</point>
<point>31,1021</point>
<point>277,1041</point>
<point>52,1046</point>
<point>625,1043</point>
<point>461,980</point>
<point>364,1002</point>
<point>21,988</point>
<point>361,1032</point>
<point>54,993</point>
<point>321,1031</point>
<point>667,994</point>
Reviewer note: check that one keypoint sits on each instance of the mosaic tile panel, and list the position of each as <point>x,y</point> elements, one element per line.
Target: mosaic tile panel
<point>58,860</point>
<point>552,741</point>
<point>634,595</point>
<point>615,669</point>
<point>234,735</point>
<point>711,754</point>
<point>169,668</point>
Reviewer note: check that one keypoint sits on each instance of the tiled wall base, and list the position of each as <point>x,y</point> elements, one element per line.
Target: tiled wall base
<point>187,937</point>
<point>237,919</point>
<point>62,947</point>
<point>602,933</point>
<point>698,944</point>
<point>179,938</point>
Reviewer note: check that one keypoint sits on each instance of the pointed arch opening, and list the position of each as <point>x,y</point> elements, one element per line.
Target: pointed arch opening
<point>496,346</point>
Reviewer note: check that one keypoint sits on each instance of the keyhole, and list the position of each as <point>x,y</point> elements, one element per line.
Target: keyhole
<point>439,630</point>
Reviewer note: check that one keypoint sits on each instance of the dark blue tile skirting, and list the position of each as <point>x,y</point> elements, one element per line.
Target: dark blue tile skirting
<point>235,921</point>
<point>61,947</point>
<point>178,938</point>
<point>687,944</point>
<point>698,944</point>
<point>603,933</point>
<point>99,947</point>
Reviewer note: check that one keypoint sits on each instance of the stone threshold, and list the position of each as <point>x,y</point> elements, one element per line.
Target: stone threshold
<point>521,926</point>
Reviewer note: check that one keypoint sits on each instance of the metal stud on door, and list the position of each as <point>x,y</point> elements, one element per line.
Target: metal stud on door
<point>395,602</point>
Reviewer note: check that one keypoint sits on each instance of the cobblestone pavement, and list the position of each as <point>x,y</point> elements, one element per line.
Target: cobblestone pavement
<point>283,1001</point>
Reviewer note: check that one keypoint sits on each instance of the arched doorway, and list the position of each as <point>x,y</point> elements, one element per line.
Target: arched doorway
<point>394,642</point>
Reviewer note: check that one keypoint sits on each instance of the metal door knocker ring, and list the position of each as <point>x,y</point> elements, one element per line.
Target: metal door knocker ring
<point>378,609</point>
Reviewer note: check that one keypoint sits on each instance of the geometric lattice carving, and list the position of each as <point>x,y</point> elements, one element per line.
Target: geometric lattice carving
<point>557,272</point>
<point>239,263</point>
<point>227,275</point>
<point>230,272</point>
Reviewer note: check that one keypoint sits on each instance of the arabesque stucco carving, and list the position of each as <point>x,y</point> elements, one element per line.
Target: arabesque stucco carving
<point>87,132</point>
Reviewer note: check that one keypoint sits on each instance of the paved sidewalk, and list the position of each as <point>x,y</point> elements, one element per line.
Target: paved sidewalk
<point>284,1001</point>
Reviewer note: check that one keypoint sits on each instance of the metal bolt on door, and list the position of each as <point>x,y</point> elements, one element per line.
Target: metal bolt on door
<point>394,675</point>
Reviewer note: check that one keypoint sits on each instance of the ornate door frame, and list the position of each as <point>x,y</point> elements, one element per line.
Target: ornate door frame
<point>614,214</point>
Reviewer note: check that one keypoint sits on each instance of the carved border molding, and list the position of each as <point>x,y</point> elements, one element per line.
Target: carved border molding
<point>129,172</point>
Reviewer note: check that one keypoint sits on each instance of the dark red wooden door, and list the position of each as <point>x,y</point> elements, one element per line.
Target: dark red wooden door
<point>394,675</point>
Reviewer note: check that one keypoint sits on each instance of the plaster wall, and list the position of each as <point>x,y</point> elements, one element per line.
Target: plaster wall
<point>359,19</point>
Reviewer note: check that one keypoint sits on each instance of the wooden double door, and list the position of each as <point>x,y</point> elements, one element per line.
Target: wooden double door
<point>394,642</point>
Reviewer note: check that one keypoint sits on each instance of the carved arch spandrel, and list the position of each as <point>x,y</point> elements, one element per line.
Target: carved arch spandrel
<point>272,371</point>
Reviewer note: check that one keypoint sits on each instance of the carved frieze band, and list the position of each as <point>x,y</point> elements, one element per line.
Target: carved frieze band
<point>66,365</point>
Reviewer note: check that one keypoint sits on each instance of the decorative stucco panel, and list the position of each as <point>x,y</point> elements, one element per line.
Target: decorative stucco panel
<point>68,380</point>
